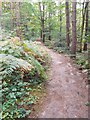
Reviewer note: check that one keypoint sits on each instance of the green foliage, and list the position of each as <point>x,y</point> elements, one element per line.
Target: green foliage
<point>87,103</point>
<point>23,63</point>
<point>82,60</point>
<point>30,23</point>
<point>14,88</point>
<point>20,71</point>
<point>58,45</point>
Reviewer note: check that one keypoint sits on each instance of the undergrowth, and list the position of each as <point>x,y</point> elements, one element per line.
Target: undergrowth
<point>22,68</point>
<point>60,47</point>
<point>82,60</point>
<point>57,45</point>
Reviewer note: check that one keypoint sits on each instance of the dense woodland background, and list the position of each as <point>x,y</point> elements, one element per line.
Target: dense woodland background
<point>52,21</point>
<point>62,26</point>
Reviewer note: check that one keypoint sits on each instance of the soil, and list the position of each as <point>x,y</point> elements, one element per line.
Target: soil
<point>66,91</point>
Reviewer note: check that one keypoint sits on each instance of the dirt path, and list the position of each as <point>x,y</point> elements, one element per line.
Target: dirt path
<point>66,90</point>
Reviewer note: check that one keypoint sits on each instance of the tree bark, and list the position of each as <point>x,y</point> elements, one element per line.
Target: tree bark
<point>49,27</point>
<point>0,8</point>
<point>18,33</point>
<point>49,37</point>
<point>12,16</point>
<point>60,21</point>
<point>43,23</point>
<point>83,20</point>
<point>0,19</point>
<point>74,39</point>
<point>67,24</point>
<point>42,20</point>
<point>86,30</point>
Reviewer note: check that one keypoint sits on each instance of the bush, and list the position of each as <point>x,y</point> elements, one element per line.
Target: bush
<point>21,69</point>
<point>82,60</point>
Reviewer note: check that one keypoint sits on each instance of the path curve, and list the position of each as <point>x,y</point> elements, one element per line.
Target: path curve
<point>66,90</point>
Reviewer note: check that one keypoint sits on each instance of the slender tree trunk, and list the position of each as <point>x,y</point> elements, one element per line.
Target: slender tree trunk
<point>67,24</point>
<point>0,8</point>
<point>18,20</point>
<point>74,38</point>
<point>86,31</point>
<point>83,20</point>
<point>83,17</point>
<point>89,49</point>
<point>60,21</point>
<point>12,15</point>
<point>49,37</point>
<point>3,21</point>
<point>0,19</point>
<point>42,20</point>
<point>79,27</point>
<point>43,23</point>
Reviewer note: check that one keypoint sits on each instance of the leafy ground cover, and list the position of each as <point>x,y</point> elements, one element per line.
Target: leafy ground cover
<point>82,60</point>
<point>22,72</point>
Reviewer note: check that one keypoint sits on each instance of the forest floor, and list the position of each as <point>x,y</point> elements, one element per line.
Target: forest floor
<point>66,91</point>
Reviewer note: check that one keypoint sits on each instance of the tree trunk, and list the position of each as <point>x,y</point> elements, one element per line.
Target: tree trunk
<point>0,19</point>
<point>43,23</point>
<point>60,21</point>
<point>83,20</point>
<point>0,8</point>
<point>49,37</point>
<point>86,30</point>
<point>12,15</point>
<point>42,20</point>
<point>67,25</point>
<point>74,39</point>
<point>18,33</point>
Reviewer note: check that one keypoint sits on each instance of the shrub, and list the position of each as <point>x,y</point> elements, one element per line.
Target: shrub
<point>20,71</point>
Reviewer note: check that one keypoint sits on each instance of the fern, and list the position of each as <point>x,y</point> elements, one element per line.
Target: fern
<point>39,68</point>
<point>9,63</point>
<point>21,69</point>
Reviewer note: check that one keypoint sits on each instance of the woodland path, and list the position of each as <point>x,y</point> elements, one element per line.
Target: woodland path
<point>66,90</point>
